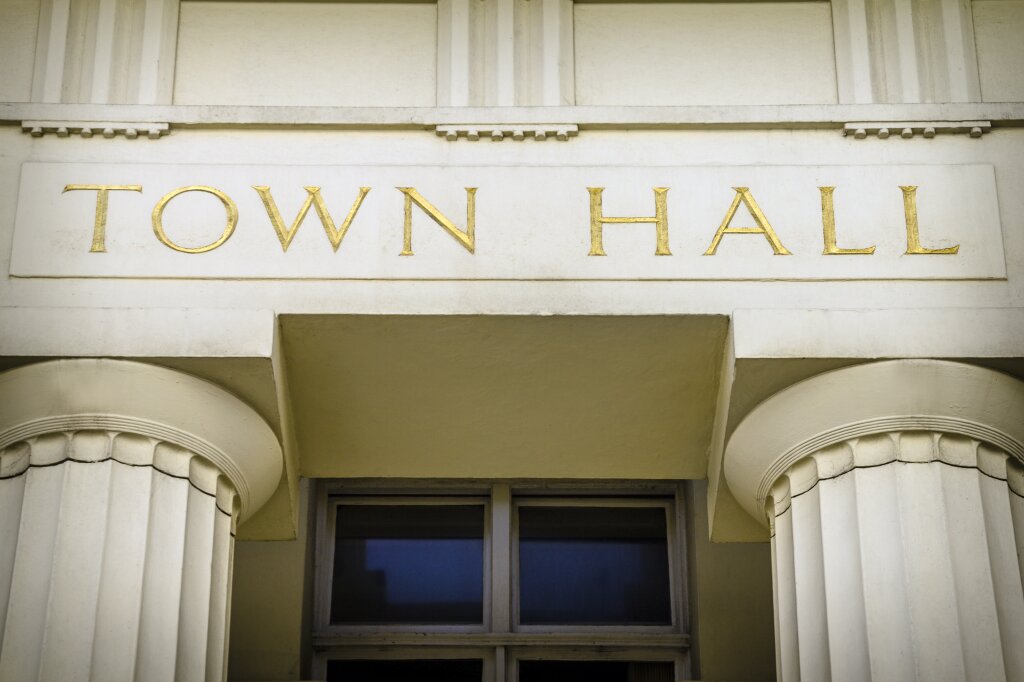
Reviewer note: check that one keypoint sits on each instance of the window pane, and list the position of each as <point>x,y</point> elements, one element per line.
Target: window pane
<point>594,671</point>
<point>405,671</point>
<point>593,566</point>
<point>408,564</point>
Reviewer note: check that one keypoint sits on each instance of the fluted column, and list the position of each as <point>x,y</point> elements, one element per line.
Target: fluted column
<point>898,528</point>
<point>120,488</point>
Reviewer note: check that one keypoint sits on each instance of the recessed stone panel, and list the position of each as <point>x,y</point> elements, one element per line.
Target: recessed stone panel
<point>529,223</point>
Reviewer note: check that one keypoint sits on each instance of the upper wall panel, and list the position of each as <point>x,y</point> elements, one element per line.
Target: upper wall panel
<point>999,35</point>
<point>704,53</point>
<point>313,54</point>
<point>18,20</point>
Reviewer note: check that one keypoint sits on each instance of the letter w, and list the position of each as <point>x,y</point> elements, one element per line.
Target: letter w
<point>334,234</point>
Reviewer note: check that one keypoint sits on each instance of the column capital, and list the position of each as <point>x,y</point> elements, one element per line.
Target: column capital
<point>119,396</point>
<point>866,400</point>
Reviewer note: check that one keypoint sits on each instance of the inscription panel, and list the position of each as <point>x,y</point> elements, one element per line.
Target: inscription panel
<point>495,223</point>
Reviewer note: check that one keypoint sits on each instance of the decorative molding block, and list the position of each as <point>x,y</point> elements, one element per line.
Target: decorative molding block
<point>907,129</point>
<point>497,133</point>
<point>107,129</point>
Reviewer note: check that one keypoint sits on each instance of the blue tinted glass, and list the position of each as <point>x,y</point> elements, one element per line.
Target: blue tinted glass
<point>593,566</point>
<point>408,564</point>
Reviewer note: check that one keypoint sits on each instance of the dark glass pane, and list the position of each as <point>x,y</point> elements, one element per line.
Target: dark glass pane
<point>408,564</point>
<point>405,671</point>
<point>594,671</point>
<point>593,566</point>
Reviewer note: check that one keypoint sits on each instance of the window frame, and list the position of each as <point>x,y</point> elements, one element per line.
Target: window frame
<point>679,659</point>
<point>587,501</point>
<point>325,569</point>
<point>501,641</point>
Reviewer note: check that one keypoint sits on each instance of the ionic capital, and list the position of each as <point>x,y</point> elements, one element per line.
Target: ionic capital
<point>137,414</point>
<point>873,414</point>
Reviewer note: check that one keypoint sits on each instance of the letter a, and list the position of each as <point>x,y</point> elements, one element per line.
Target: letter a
<point>763,227</point>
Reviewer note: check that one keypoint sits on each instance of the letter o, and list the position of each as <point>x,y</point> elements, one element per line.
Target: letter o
<point>229,206</point>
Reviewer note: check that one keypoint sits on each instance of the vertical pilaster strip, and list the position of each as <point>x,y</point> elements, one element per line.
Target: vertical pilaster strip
<point>557,64</point>
<point>505,48</point>
<point>960,56</point>
<point>157,52</point>
<point>51,46</point>
<point>106,51</point>
<point>105,40</point>
<point>905,51</point>
<point>453,53</point>
<point>853,51</point>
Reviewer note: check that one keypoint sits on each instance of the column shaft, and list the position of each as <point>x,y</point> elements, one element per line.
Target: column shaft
<point>897,557</point>
<point>116,560</point>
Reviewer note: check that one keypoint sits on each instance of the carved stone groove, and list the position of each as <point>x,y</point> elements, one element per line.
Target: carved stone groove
<point>898,556</point>
<point>121,484</point>
<point>116,559</point>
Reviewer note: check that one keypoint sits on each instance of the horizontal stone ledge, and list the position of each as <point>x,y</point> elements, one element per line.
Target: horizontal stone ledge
<point>811,116</point>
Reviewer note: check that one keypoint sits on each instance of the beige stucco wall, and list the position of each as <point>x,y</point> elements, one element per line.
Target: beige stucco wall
<point>315,54</point>
<point>17,49</point>
<point>660,53</point>
<point>998,25</point>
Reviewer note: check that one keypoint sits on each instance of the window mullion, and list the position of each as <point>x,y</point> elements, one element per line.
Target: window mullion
<point>501,553</point>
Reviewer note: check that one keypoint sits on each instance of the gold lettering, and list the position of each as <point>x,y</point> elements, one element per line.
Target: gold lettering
<point>313,198</point>
<point>467,238</point>
<point>913,230</point>
<point>598,220</point>
<point>99,228</point>
<point>763,226</point>
<point>229,207</point>
<point>828,224</point>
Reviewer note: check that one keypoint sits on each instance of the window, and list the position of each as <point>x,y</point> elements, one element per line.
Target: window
<point>407,563</point>
<point>500,582</point>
